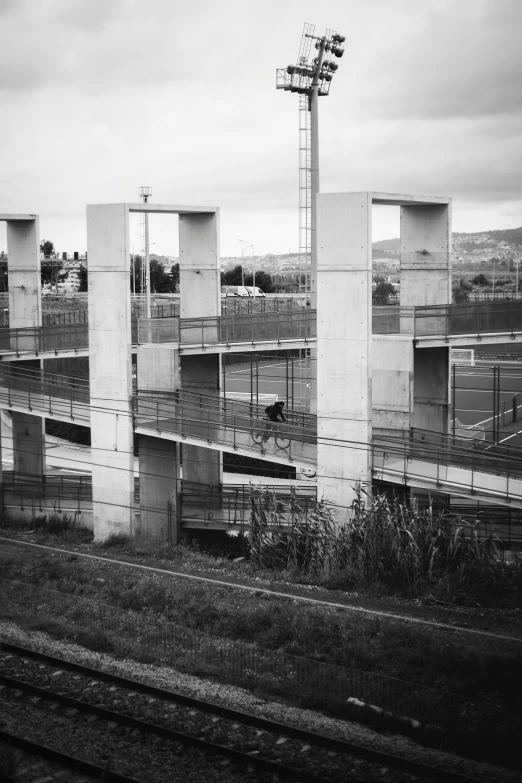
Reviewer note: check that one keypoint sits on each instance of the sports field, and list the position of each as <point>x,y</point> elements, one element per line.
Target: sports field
<point>475,400</point>
<point>290,381</point>
<point>474,391</point>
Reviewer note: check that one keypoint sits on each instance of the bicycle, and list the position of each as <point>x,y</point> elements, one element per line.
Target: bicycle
<point>281,439</point>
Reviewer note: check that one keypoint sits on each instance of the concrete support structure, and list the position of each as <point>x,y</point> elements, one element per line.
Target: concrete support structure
<point>158,373</point>
<point>200,289</point>
<point>344,345</point>
<point>400,387</point>
<point>426,280</point>
<point>25,310</point>
<point>110,370</point>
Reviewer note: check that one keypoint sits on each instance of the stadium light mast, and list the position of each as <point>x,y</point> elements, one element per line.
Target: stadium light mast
<point>310,78</point>
<point>145,192</point>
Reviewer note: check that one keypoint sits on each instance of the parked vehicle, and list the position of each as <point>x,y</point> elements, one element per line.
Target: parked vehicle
<point>257,290</point>
<point>234,290</point>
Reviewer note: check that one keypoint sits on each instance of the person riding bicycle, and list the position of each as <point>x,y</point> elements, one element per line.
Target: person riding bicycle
<point>273,412</point>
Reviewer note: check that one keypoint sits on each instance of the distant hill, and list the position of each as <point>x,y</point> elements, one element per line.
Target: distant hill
<point>388,245</point>
<point>511,235</point>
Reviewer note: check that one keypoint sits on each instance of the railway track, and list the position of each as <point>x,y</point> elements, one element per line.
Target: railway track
<point>119,714</point>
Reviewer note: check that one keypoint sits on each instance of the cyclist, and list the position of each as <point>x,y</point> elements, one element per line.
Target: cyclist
<point>273,412</point>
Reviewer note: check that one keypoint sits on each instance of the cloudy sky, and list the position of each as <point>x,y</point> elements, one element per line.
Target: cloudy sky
<point>99,97</point>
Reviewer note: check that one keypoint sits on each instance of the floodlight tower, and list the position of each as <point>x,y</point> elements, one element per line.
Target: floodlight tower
<point>145,192</point>
<point>310,78</point>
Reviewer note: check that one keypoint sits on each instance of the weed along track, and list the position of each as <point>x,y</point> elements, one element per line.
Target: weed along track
<point>149,732</point>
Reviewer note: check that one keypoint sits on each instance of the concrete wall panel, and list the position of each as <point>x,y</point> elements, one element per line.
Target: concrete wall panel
<point>425,255</point>
<point>392,384</point>
<point>431,389</point>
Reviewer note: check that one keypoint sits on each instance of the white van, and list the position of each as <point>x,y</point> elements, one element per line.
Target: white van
<point>234,290</point>
<point>250,291</point>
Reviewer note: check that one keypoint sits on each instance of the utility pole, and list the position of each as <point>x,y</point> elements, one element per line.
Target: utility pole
<point>145,192</point>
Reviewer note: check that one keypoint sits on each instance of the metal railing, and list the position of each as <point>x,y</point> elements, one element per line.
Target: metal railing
<point>258,327</point>
<point>63,318</point>
<point>40,339</point>
<point>48,393</point>
<point>431,456</point>
<point>393,320</point>
<point>487,317</point>
<point>231,503</point>
<point>230,423</point>
<point>69,492</point>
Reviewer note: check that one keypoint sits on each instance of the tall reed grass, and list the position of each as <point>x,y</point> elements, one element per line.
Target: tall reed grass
<point>382,540</point>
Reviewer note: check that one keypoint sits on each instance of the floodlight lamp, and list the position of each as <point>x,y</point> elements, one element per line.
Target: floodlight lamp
<point>327,77</point>
<point>338,38</point>
<point>333,66</point>
<point>338,51</point>
<point>290,69</point>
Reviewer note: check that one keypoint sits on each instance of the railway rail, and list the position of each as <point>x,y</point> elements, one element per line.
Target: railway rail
<point>213,731</point>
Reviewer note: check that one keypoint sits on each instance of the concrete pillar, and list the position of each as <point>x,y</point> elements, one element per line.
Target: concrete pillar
<point>158,372</point>
<point>24,273</point>
<point>25,310</point>
<point>344,345</point>
<point>200,296</point>
<point>425,254</point>
<point>432,392</point>
<point>110,370</point>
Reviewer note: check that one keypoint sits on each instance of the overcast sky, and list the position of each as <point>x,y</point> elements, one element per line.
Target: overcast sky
<point>99,97</point>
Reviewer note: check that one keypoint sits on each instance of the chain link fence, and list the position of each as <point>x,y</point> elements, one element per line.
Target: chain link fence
<point>236,661</point>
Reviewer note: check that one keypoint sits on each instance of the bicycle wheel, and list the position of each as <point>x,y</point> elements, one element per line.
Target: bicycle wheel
<point>257,436</point>
<point>282,441</point>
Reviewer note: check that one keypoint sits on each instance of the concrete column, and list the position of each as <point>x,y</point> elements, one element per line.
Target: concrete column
<point>110,370</point>
<point>200,296</point>
<point>344,345</point>
<point>25,310</point>
<point>432,381</point>
<point>158,372</point>
<point>24,273</point>
<point>426,254</point>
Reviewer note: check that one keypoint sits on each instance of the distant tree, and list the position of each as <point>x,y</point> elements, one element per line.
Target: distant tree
<point>263,281</point>
<point>161,282</point>
<point>83,277</point>
<point>379,279</point>
<point>233,276</point>
<point>381,293</point>
<point>4,285</point>
<point>481,279</point>
<point>136,269</point>
<point>174,273</point>
<point>47,248</point>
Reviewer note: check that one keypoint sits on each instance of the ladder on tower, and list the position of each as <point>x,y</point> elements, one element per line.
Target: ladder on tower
<point>305,194</point>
